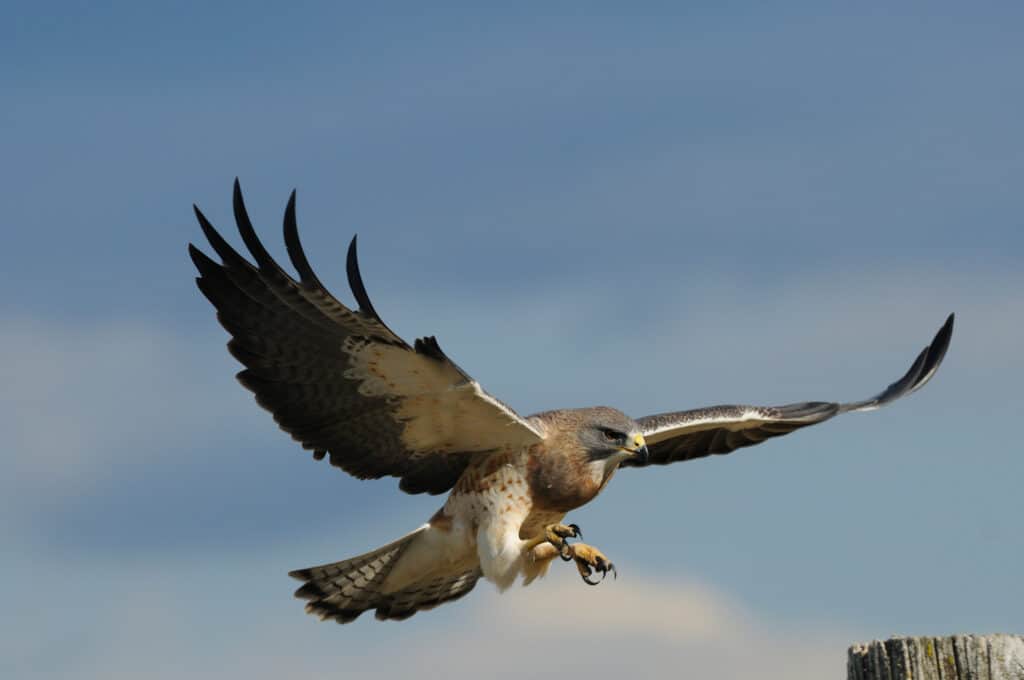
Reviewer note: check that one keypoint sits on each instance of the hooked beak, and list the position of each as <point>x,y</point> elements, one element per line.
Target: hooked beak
<point>639,450</point>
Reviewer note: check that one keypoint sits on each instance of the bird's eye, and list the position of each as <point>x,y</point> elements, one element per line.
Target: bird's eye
<point>612,435</point>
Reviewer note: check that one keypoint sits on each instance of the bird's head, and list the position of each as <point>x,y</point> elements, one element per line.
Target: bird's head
<point>611,436</point>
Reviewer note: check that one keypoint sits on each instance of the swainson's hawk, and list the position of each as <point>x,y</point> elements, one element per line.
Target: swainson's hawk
<point>342,384</point>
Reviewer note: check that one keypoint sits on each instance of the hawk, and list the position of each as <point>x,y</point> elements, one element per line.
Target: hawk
<point>347,388</point>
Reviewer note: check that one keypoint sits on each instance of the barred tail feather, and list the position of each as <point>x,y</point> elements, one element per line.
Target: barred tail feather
<point>344,590</point>
<point>427,594</point>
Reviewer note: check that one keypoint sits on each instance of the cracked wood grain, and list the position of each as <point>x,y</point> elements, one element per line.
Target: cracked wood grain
<point>955,657</point>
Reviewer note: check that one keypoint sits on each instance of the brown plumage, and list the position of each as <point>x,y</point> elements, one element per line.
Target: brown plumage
<point>346,387</point>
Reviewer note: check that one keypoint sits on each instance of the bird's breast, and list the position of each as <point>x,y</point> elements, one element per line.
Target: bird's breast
<point>492,485</point>
<point>562,480</point>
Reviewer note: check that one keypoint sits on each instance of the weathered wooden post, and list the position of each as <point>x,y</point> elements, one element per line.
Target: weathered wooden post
<point>957,657</point>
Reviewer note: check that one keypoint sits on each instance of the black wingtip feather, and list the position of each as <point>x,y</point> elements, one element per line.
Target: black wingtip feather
<point>245,228</point>
<point>228,255</point>
<point>196,255</point>
<point>355,282</point>
<point>202,261</point>
<point>920,372</point>
<point>294,247</point>
<point>936,352</point>
<point>924,367</point>
<point>909,378</point>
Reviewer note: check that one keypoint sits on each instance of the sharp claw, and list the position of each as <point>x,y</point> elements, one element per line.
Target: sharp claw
<point>576,533</point>
<point>585,572</point>
<point>588,566</point>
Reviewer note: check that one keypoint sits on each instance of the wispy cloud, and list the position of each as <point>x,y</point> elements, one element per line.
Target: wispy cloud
<point>629,627</point>
<point>83,403</point>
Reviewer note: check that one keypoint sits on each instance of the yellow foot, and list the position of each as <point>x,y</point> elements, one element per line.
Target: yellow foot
<point>589,560</point>
<point>556,535</point>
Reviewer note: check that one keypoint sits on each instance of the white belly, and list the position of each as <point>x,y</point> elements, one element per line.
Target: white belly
<point>488,508</point>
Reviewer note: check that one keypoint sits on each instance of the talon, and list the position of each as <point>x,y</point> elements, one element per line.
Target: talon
<point>576,531</point>
<point>590,560</point>
<point>604,566</point>
<point>585,572</point>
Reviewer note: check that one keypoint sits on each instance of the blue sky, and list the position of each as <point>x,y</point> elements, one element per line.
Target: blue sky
<point>652,209</point>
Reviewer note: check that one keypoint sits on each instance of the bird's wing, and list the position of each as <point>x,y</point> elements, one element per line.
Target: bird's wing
<point>338,380</point>
<point>685,435</point>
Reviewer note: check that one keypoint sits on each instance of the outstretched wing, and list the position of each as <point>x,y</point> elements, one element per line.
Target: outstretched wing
<point>685,435</point>
<point>340,381</point>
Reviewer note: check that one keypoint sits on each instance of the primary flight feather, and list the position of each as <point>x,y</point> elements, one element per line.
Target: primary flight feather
<point>346,387</point>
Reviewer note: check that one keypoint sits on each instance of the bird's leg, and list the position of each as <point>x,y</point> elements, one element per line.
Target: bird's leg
<point>541,549</point>
<point>555,534</point>
<point>537,561</point>
<point>589,560</point>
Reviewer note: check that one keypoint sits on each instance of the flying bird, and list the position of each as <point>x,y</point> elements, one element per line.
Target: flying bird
<point>347,388</point>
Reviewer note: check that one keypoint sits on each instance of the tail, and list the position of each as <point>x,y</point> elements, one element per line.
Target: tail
<point>344,590</point>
